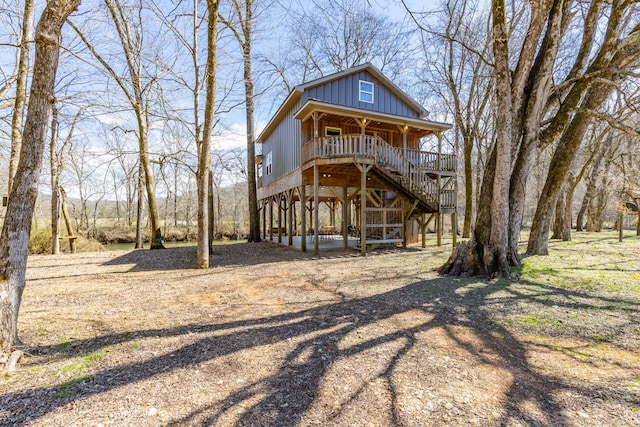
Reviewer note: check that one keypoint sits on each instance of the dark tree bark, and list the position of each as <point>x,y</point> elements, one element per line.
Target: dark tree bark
<point>14,240</point>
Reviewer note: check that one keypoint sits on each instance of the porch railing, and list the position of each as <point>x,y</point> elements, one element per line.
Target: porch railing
<point>409,171</point>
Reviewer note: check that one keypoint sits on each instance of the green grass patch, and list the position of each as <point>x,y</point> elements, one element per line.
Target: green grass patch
<point>533,320</point>
<point>84,362</point>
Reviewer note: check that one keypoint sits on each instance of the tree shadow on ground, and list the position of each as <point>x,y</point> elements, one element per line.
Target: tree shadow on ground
<point>184,257</point>
<point>284,398</point>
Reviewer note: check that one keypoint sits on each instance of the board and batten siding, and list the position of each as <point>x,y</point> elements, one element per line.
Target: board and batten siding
<point>285,142</point>
<point>345,91</point>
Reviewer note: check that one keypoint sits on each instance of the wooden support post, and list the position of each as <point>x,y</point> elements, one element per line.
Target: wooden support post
<point>405,220</point>
<point>271,218</point>
<point>303,218</point>
<point>264,219</point>
<point>279,199</point>
<point>290,204</point>
<point>404,223</point>
<point>620,225</point>
<point>439,229</point>
<point>316,205</point>
<point>424,230</point>
<point>363,207</point>
<point>454,229</point>
<point>345,217</point>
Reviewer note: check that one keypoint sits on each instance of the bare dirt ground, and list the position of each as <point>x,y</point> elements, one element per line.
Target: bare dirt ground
<point>274,337</point>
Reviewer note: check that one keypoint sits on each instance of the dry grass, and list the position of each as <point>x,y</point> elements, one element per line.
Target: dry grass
<point>274,337</point>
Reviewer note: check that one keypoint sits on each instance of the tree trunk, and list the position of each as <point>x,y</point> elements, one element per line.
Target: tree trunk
<point>468,186</point>
<point>558,223</point>
<point>204,150</point>
<point>591,189</point>
<point>67,219</point>
<point>21,90</point>
<point>53,163</point>
<point>568,207</point>
<point>14,240</point>
<point>494,256</point>
<point>140,207</point>
<point>559,167</point>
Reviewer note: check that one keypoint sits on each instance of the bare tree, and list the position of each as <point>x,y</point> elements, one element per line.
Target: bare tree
<point>204,148</point>
<point>243,12</point>
<point>138,90</point>
<point>447,42</point>
<point>21,88</point>
<point>56,159</point>
<point>14,239</point>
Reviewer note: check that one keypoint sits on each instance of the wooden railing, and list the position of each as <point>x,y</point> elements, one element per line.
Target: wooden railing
<point>429,160</point>
<point>409,171</point>
<point>356,144</point>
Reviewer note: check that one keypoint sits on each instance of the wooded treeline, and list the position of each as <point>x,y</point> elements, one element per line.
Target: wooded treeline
<point>155,107</point>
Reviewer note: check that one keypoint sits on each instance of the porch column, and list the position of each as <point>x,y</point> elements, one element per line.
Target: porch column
<point>439,229</point>
<point>264,220</point>
<point>316,197</point>
<point>404,130</point>
<point>303,218</point>
<point>363,207</point>
<point>423,228</point>
<point>345,218</point>
<point>454,228</point>
<point>271,218</point>
<point>290,203</point>
<point>279,199</point>
<point>315,118</point>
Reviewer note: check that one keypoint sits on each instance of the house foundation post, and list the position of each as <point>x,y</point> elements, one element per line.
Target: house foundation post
<point>271,218</point>
<point>316,202</point>
<point>454,229</point>
<point>363,207</point>
<point>345,217</point>
<point>264,219</point>
<point>303,218</point>
<point>279,199</point>
<point>290,203</point>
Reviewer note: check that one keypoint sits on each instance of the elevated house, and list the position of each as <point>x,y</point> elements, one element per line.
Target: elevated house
<point>352,141</point>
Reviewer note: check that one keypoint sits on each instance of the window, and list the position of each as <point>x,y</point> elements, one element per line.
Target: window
<point>366,91</point>
<point>268,163</point>
<point>331,131</point>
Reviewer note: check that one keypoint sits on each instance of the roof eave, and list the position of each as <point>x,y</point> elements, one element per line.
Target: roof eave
<point>311,105</point>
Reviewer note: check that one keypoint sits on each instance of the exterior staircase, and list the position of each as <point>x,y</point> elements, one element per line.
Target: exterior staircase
<point>430,182</point>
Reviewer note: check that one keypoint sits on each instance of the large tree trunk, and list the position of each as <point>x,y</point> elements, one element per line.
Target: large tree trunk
<point>14,240</point>
<point>204,150</point>
<point>254,218</point>
<point>21,90</point>
<point>468,186</point>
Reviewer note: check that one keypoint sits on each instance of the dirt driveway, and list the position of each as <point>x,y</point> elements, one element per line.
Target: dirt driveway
<point>274,337</point>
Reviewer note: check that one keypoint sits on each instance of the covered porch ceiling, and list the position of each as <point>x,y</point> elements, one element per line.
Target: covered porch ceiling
<point>372,119</point>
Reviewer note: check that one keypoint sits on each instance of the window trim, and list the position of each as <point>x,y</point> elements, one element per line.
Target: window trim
<point>332,128</point>
<point>361,91</point>
<point>268,160</point>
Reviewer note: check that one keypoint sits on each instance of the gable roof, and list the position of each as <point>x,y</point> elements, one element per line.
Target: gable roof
<point>297,91</point>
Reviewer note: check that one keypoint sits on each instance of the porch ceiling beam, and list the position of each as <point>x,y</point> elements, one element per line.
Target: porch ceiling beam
<point>313,105</point>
